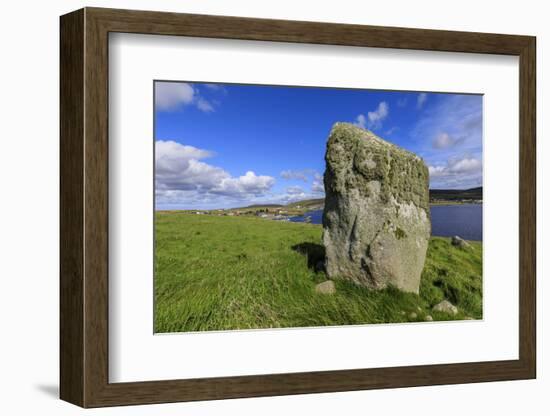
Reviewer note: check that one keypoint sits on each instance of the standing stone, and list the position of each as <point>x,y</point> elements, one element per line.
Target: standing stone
<point>376,219</point>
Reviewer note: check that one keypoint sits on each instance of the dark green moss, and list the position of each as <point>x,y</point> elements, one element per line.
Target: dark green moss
<point>399,233</point>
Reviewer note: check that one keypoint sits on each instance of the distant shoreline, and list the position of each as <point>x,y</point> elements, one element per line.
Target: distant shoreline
<point>436,203</point>
<point>278,212</point>
<point>437,197</point>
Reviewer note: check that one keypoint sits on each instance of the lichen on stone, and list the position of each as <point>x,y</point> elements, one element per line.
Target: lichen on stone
<point>354,150</point>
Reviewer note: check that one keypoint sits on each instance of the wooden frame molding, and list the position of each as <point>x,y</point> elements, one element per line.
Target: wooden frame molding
<point>84,207</point>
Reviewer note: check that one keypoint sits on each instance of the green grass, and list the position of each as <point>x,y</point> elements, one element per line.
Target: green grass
<point>221,273</point>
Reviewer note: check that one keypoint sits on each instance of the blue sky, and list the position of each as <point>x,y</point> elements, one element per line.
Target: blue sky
<point>228,145</point>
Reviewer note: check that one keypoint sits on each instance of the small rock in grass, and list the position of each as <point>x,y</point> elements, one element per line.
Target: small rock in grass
<point>418,308</point>
<point>459,242</point>
<point>429,318</point>
<point>413,315</point>
<point>326,287</point>
<point>446,307</point>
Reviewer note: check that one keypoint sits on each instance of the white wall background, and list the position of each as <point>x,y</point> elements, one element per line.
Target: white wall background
<point>29,207</point>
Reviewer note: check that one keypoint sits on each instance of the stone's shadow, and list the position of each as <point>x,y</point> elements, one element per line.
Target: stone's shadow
<point>315,254</point>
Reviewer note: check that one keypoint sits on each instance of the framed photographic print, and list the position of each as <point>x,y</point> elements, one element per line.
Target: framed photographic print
<point>256,207</point>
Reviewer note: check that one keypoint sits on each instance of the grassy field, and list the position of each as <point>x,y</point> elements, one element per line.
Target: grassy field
<point>221,273</point>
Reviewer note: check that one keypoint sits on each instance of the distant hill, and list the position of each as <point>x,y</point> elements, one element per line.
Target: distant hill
<point>295,206</point>
<point>307,203</point>
<point>473,194</point>
<point>435,194</point>
<point>456,194</point>
<point>263,206</point>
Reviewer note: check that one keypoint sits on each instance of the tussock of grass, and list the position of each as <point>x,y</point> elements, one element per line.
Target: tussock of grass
<point>221,273</point>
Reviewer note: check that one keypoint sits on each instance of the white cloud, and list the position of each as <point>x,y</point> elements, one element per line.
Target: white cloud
<point>244,186</point>
<point>294,190</point>
<point>361,121</point>
<point>374,119</point>
<point>402,102</point>
<point>421,99</point>
<point>436,171</point>
<point>287,198</point>
<point>444,141</point>
<point>291,195</point>
<point>170,95</point>
<point>297,193</point>
<point>178,167</point>
<point>216,87</point>
<point>389,132</point>
<point>458,173</point>
<point>181,177</point>
<point>448,131</point>
<point>301,175</point>
<point>204,105</point>
<point>318,185</point>
<point>466,165</point>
